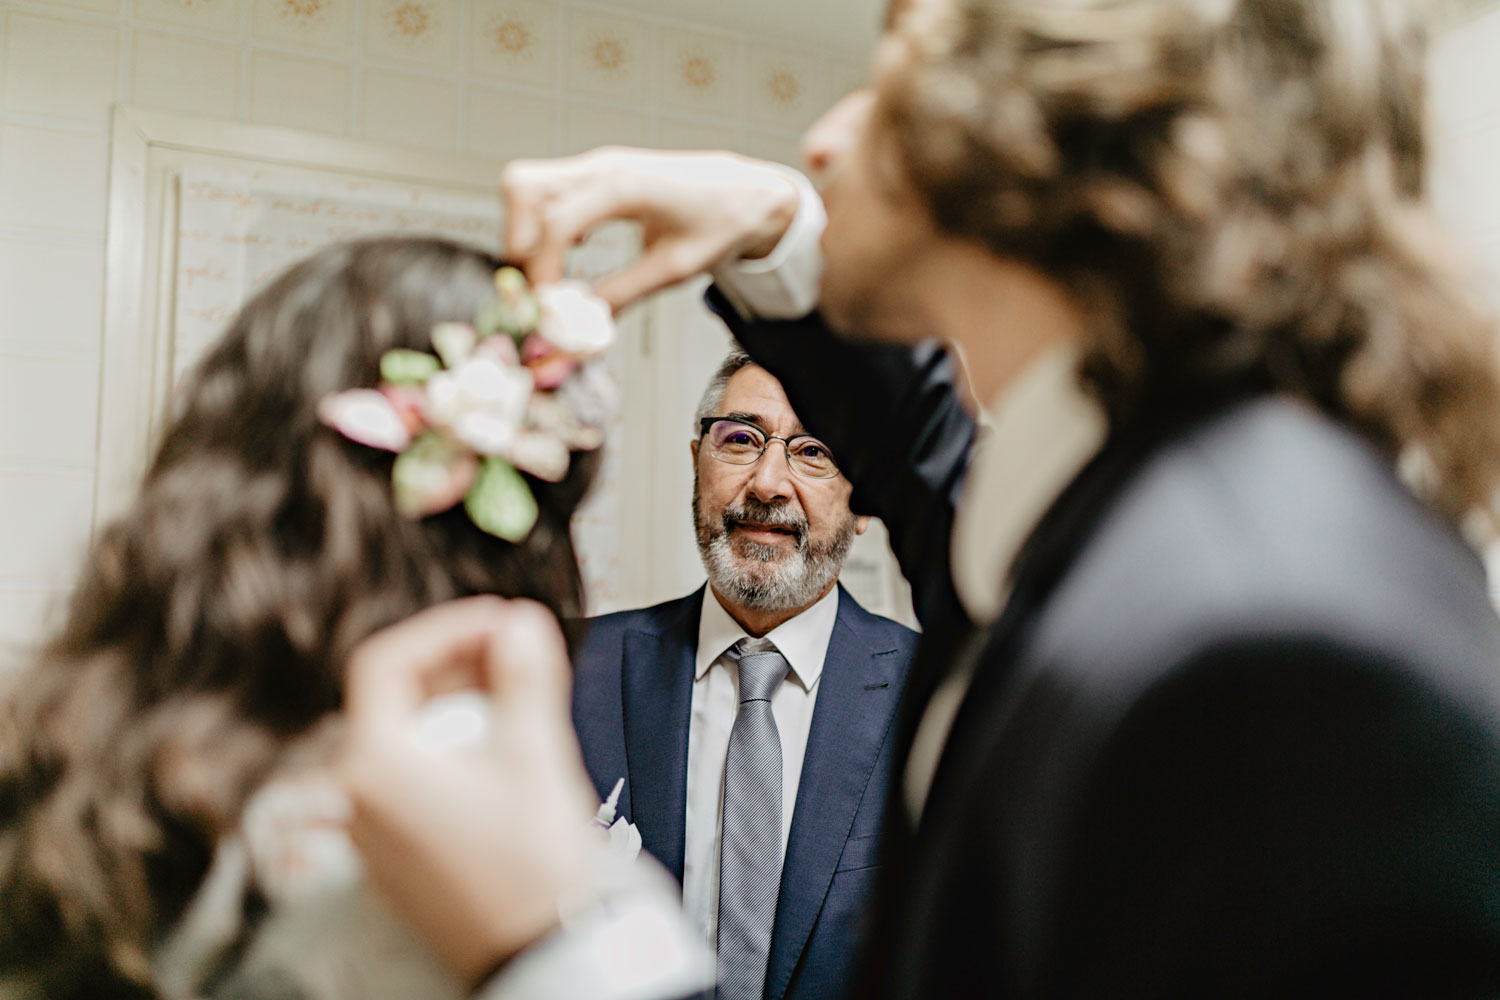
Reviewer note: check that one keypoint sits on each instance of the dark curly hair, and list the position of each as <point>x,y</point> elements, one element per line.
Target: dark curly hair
<point>1233,188</point>
<point>212,621</point>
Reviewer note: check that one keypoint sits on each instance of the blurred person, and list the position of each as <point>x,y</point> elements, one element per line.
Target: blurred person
<point>1207,701</point>
<point>169,825</point>
<point>662,698</point>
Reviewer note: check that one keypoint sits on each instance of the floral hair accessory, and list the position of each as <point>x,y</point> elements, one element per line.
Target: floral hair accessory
<point>512,392</point>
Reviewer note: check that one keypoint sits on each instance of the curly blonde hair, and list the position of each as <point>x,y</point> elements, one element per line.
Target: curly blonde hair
<point>1234,188</point>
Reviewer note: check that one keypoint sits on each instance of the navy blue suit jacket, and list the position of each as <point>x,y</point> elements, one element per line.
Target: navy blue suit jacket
<point>632,697</point>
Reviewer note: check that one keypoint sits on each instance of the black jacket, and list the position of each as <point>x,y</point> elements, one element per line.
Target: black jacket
<point>1236,734</point>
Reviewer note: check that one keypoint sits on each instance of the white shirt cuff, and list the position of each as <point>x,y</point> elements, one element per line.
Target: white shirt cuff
<point>784,283</point>
<point>636,944</point>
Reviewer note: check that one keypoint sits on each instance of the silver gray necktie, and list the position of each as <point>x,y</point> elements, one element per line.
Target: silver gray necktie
<point>750,851</point>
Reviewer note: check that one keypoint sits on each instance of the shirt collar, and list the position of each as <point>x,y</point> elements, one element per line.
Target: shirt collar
<point>1034,438</point>
<point>802,639</point>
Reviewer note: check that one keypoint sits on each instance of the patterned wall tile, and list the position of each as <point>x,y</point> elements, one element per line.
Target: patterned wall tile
<point>59,67</point>
<point>675,133</point>
<point>408,110</point>
<point>609,57</point>
<point>299,93</point>
<point>51,294</point>
<point>318,24</point>
<point>52,179</point>
<point>785,89</point>
<point>182,74</point>
<point>222,16</point>
<point>779,146</point>
<point>55,506</point>
<point>699,72</point>
<point>506,125</point>
<point>415,32</point>
<point>585,126</point>
<point>846,76</point>
<point>514,40</point>
<point>69,389</point>
<point>98,6</point>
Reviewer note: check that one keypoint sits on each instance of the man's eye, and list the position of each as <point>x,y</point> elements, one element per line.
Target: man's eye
<point>741,438</point>
<point>812,450</point>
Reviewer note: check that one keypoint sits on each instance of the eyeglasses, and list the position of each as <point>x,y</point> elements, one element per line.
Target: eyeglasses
<point>739,443</point>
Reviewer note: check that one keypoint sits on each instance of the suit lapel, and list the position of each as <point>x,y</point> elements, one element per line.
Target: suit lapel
<point>857,698</point>
<point>657,692</point>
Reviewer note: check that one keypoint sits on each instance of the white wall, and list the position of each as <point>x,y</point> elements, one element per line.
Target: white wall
<point>495,78</point>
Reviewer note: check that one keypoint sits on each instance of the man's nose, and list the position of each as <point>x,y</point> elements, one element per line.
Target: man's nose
<point>771,476</point>
<point>829,139</point>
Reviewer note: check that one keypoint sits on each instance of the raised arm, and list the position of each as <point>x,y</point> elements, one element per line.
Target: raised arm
<point>893,419</point>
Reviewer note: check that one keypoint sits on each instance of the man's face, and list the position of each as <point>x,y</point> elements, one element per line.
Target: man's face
<point>770,539</point>
<point>877,230</point>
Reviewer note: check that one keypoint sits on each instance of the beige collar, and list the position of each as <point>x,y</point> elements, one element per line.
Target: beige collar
<point>1033,440</point>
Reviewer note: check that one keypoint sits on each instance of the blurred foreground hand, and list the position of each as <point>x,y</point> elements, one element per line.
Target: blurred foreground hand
<point>696,210</point>
<point>475,848</point>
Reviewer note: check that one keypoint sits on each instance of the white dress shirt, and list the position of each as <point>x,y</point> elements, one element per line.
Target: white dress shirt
<point>1037,435</point>
<point>803,641</point>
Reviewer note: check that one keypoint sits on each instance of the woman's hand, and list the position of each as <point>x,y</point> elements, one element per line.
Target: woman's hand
<point>696,211</point>
<point>475,848</point>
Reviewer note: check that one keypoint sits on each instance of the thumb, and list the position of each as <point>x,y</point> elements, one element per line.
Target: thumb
<point>526,665</point>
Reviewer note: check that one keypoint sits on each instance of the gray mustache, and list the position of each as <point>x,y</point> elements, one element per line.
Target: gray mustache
<point>778,515</point>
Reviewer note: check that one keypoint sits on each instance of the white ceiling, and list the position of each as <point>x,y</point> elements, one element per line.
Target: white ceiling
<point>845,28</point>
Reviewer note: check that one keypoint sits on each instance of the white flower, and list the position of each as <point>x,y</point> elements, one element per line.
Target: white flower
<point>482,402</point>
<point>366,416</point>
<point>574,319</point>
<point>487,433</point>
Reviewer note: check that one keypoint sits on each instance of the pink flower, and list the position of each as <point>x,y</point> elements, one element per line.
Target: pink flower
<point>409,401</point>
<point>366,416</point>
<point>553,370</point>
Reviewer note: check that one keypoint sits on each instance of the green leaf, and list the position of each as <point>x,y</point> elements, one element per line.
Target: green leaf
<point>516,319</point>
<point>501,502</point>
<point>402,366</point>
<point>510,283</point>
<point>431,475</point>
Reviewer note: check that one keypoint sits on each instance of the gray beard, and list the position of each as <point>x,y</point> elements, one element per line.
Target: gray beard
<point>767,577</point>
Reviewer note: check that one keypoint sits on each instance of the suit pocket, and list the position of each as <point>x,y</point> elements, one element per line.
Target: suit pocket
<point>859,852</point>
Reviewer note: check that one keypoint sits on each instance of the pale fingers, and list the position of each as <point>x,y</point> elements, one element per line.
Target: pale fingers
<point>398,669</point>
<point>550,205</point>
<point>526,663</point>
<point>666,263</point>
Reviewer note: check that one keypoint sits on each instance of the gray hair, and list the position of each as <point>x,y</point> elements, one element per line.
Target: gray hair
<point>713,396</point>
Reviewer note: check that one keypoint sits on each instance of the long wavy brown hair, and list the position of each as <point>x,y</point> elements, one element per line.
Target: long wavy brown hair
<point>1234,188</point>
<point>212,621</point>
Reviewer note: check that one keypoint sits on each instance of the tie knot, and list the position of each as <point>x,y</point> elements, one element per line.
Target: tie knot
<point>762,669</point>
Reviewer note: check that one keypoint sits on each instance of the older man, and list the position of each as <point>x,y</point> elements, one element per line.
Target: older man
<point>1219,710</point>
<point>671,698</point>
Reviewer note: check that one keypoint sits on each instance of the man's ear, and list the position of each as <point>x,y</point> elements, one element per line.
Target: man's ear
<point>861,524</point>
<point>693,447</point>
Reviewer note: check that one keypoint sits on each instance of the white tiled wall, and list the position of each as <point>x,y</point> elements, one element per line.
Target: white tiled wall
<point>496,78</point>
